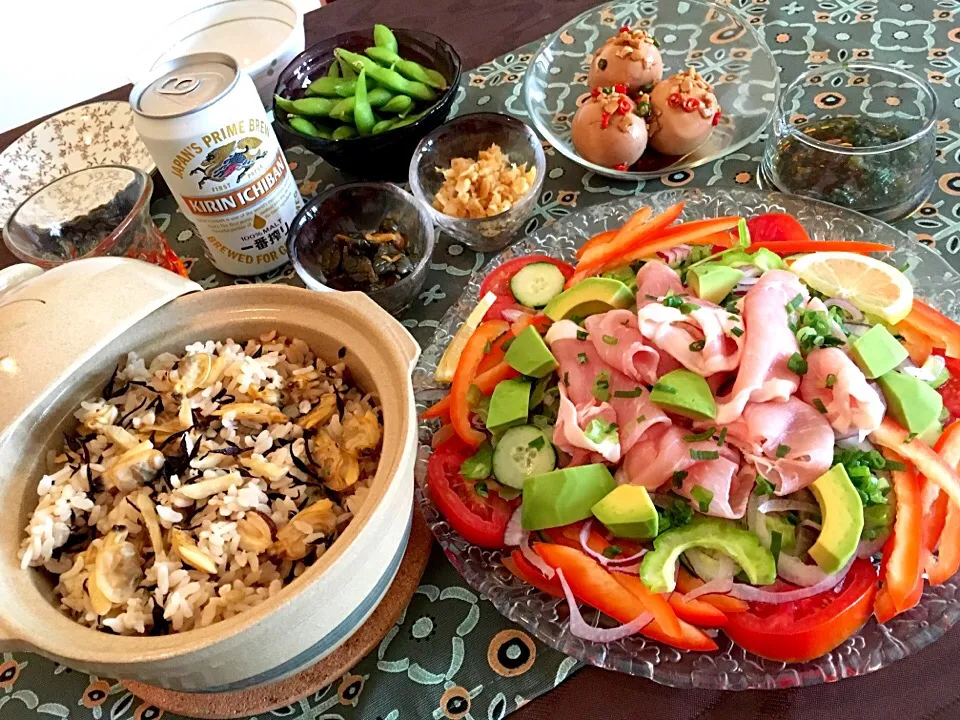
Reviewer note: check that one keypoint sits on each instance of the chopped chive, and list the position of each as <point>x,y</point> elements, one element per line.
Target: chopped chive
<point>641,419</point>
<point>673,301</point>
<point>704,454</point>
<point>610,340</point>
<point>537,443</point>
<point>795,303</point>
<point>487,348</point>
<point>636,392</point>
<point>705,435</point>
<point>480,488</point>
<point>687,308</point>
<point>703,497</point>
<point>669,389</point>
<point>782,450</point>
<point>796,364</point>
<point>910,437</point>
<point>697,346</point>
<point>894,465</point>
<point>678,477</point>
<point>722,438</point>
<point>601,387</point>
<point>818,404</point>
<point>776,541</point>
<point>566,379</point>
<point>581,335</point>
<point>582,357</point>
<point>763,487</point>
<point>736,331</point>
<point>612,551</point>
<point>831,380</point>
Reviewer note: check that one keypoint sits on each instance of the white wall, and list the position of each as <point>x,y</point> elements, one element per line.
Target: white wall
<point>55,53</point>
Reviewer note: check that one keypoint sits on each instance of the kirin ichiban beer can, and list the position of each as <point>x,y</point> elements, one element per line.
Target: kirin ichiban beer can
<point>202,121</point>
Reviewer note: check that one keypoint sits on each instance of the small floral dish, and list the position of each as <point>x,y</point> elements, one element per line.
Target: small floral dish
<point>100,133</point>
<point>730,57</point>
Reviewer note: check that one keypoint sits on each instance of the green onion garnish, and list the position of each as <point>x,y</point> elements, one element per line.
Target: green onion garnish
<point>610,340</point>
<point>581,335</point>
<point>697,346</point>
<point>722,437</point>
<point>831,380</point>
<point>796,364</point>
<point>582,357</point>
<point>704,454</point>
<point>636,392</point>
<point>818,404</point>
<point>736,331</point>
<point>705,435</point>
<point>703,497</point>
<point>612,551</point>
<point>669,389</point>
<point>776,541</point>
<point>763,487</point>
<point>678,477</point>
<point>537,443</point>
<point>782,450</point>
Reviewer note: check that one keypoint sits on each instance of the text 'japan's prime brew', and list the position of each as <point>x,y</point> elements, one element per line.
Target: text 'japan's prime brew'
<point>204,124</point>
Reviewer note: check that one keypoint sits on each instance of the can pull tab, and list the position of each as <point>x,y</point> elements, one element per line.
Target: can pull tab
<point>177,85</point>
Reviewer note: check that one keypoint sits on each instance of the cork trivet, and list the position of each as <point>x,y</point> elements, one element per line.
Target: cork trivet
<point>269,697</point>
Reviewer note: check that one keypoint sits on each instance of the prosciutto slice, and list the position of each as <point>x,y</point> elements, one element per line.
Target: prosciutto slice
<point>618,342</point>
<point>729,484</point>
<point>704,341</point>
<point>851,403</point>
<point>655,280</point>
<point>569,434</point>
<point>790,443</point>
<point>769,343</point>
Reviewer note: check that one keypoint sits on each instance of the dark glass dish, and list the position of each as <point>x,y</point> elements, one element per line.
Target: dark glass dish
<point>375,157</point>
<point>356,208</point>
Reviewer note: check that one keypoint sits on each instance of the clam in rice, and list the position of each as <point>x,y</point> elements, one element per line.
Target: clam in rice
<point>199,485</point>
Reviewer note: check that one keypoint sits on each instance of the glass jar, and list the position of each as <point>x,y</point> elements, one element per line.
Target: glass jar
<point>859,135</point>
<point>103,210</point>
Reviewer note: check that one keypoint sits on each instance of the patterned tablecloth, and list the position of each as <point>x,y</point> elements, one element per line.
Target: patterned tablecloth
<point>452,655</point>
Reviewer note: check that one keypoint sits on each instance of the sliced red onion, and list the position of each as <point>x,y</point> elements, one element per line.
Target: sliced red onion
<point>932,369</point>
<point>531,555</point>
<point>675,255</point>
<point>750,271</point>
<point>869,548</point>
<point>848,307</point>
<point>511,315</point>
<point>514,533</point>
<point>883,399</point>
<point>719,585</point>
<point>710,567</point>
<point>858,329</point>
<point>797,572</point>
<point>600,557</point>
<point>786,505</point>
<point>855,441</point>
<point>811,524</point>
<point>580,628</point>
<point>626,569</point>
<point>754,594</point>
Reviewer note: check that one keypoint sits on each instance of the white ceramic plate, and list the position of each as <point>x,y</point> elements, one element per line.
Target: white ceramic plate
<point>96,134</point>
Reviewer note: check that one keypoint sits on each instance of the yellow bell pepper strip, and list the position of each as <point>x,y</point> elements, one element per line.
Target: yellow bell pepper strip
<point>891,435</point>
<point>937,327</point>
<point>464,376</point>
<point>904,565</point>
<point>947,562</point>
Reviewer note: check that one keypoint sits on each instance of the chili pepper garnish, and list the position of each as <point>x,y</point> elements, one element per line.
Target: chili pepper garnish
<point>622,167</point>
<point>620,88</point>
<point>674,100</point>
<point>690,104</point>
<point>716,118</point>
<point>604,120</point>
<point>624,106</point>
<point>595,93</point>
<point>643,108</point>
<point>625,29</point>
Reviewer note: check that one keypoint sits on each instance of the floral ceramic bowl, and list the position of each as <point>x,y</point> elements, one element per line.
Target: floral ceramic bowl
<point>100,133</point>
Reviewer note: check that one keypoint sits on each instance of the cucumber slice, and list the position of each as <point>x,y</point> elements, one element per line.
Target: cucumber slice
<point>536,284</point>
<point>522,452</point>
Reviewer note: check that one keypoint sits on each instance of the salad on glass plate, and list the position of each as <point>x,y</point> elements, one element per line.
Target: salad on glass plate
<point>703,428</point>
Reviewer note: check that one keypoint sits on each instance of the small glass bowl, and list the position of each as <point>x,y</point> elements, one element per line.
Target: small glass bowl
<point>466,136</point>
<point>97,211</point>
<point>361,207</point>
<point>859,135</point>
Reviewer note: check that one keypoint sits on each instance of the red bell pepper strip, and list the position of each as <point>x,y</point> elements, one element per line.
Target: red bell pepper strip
<point>947,562</point>
<point>728,604</point>
<point>635,221</point>
<point>937,327</point>
<point>517,564</point>
<point>464,376</point>
<point>917,344</point>
<point>791,247</point>
<point>924,459</point>
<point>689,637</point>
<point>883,606</point>
<point>697,612</point>
<point>485,383</point>
<point>904,565</point>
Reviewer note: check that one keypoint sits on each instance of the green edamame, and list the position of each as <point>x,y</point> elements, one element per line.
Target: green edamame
<point>398,104</point>
<point>284,104</point>
<point>343,110</point>
<point>363,116</point>
<point>410,119</point>
<point>383,37</point>
<point>346,70</point>
<point>377,97</point>
<point>389,79</point>
<point>302,125</point>
<point>313,106</point>
<point>407,68</point>
<point>384,125</point>
<point>332,87</point>
<point>345,132</point>
<point>334,69</point>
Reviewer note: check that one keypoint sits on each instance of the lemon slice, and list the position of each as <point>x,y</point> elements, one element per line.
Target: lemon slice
<point>451,356</point>
<point>871,285</point>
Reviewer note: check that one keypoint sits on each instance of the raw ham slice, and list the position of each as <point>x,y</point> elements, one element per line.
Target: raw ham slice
<point>729,484</point>
<point>620,345</point>
<point>850,402</point>
<point>703,341</point>
<point>769,343</point>
<point>790,443</point>
<point>572,421</point>
<point>655,280</point>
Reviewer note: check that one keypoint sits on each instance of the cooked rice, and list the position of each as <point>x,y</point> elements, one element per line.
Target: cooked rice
<point>176,503</point>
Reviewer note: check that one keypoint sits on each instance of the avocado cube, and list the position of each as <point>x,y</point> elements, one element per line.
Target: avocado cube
<point>911,402</point>
<point>564,496</point>
<point>628,512</point>
<point>589,297</point>
<point>877,352</point>
<point>685,393</point>
<point>713,282</point>
<point>528,355</point>
<point>842,523</point>
<point>509,405</point>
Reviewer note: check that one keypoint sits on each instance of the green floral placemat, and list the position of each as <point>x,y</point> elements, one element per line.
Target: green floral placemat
<point>452,655</point>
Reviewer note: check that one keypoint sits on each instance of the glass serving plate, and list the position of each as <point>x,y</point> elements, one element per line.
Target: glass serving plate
<point>730,667</point>
<point>716,40</point>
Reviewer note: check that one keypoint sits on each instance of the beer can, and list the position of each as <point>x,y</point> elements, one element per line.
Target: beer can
<point>202,120</point>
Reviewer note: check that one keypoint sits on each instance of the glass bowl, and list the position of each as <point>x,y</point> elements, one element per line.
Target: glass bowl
<point>102,210</point>
<point>859,135</point>
<point>730,667</point>
<point>723,47</point>
<point>361,207</point>
<point>376,157</point>
<point>466,136</point>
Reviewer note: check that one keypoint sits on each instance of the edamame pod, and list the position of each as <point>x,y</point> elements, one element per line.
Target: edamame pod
<point>390,79</point>
<point>383,37</point>
<point>346,70</point>
<point>343,110</point>
<point>410,119</point>
<point>407,68</point>
<point>334,69</point>
<point>398,104</point>
<point>302,125</point>
<point>284,104</point>
<point>363,116</point>
<point>345,132</point>
<point>384,125</point>
<point>332,87</point>
<point>314,106</point>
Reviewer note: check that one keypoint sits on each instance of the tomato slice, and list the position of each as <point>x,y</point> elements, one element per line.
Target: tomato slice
<point>480,520</point>
<point>806,629</point>
<point>771,227</point>
<point>498,281</point>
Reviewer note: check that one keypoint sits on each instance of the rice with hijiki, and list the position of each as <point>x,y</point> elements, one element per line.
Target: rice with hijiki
<point>197,486</point>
